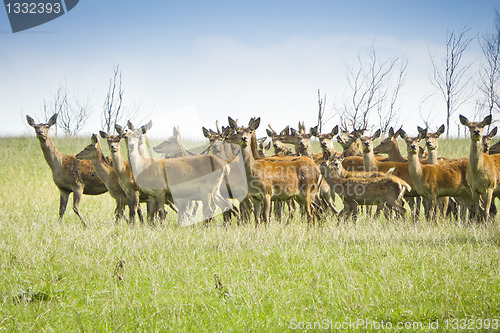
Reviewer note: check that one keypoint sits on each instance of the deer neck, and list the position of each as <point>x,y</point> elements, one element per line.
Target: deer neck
<point>369,160</point>
<point>118,162</point>
<point>432,156</point>
<point>353,150</point>
<point>101,166</point>
<point>415,168</point>
<point>50,152</point>
<point>248,155</point>
<point>395,154</point>
<point>475,155</point>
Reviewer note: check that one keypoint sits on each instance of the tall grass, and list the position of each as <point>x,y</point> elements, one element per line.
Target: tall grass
<point>57,276</point>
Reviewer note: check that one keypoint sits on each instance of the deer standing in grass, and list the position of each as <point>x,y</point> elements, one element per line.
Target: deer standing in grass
<point>483,172</point>
<point>433,181</point>
<point>384,190</point>
<point>125,177</point>
<point>371,163</point>
<point>185,178</point>
<point>69,174</point>
<point>271,179</point>
<point>106,173</point>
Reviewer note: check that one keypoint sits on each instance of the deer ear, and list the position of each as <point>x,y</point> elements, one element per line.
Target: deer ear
<point>205,133</point>
<point>52,120</point>
<point>294,132</point>
<point>420,129</point>
<point>463,120</point>
<point>147,127</point>
<point>422,134</point>
<point>254,123</point>
<point>268,146</point>
<point>103,134</point>
<point>93,139</point>
<point>130,125</point>
<point>402,134</point>
<point>30,120</point>
<point>119,130</point>
<point>335,130</point>
<point>269,133</point>
<point>377,134</point>
<point>486,121</point>
<point>493,133</point>
<point>440,130</point>
<point>391,131</point>
<point>232,122</point>
<point>314,131</point>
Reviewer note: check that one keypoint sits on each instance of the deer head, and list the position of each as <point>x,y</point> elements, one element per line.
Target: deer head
<point>476,128</point>
<point>42,130</point>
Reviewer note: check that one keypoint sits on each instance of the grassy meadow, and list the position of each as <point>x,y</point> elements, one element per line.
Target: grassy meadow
<point>57,276</point>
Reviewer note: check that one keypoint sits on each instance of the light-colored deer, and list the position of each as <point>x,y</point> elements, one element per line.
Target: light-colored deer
<point>271,179</point>
<point>433,181</point>
<point>483,172</point>
<point>126,178</point>
<point>173,146</point>
<point>106,173</point>
<point>69,174</point>
<point>186,178</point>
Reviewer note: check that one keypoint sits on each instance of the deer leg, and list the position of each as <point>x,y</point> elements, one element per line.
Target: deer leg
<point>487,203</point>
<point>257,211</point>
<point>120,206</point>
<point>63,202</point>
<point>77,196</point>
<point>267,208</point>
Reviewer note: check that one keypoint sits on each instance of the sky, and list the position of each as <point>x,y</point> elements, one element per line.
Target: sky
<point>190,63</point>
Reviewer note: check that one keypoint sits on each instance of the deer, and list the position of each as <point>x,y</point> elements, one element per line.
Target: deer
<point>126,179</point>
<point>187,178</point>
<point>486,142</point>
<point>390,147</point>
<point>348,141</point>
<point>262,147</point>
<point>371,163</point>
<point>106,173</point>
<point>386,190</point>
<point>69,174</point>
<point>433,181</point>
<point>483,171</point>
<point>173,147</point>
<point>273,179</point>
<point>326,140</point>
<point>280,149</point>
<point>302,143</point>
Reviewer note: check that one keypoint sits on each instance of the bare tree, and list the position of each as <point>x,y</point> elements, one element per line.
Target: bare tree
<point>71,114</point>
<point>372,90</point>
<point>112,112</point>
<point>321,111</point>
<point>490,71</point>
<point>450,76</point>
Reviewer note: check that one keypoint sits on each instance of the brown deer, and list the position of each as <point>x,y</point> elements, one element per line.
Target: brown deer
<point>126,178</point>
<point>486,141</point>
<point>349,142</point>
<point>270,179</point>
<point>326,140</point>
<point>69,174</point>
<point>387,190</point>
<point>371,163</point>
<point>280,149</point>
<point>433,181</point>
<point>106,173</point>
<point>390,147</point>
<point>483,171</point>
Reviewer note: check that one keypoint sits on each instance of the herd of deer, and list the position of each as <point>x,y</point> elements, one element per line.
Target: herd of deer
<point>239,169</point>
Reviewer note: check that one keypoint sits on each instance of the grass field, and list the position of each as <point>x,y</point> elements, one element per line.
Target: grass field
<point>57,276</point>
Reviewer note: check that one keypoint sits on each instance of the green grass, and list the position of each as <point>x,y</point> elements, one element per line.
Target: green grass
<point>275,277</point>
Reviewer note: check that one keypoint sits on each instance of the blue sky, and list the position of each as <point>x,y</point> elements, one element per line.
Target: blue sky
<point>188,63</point>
